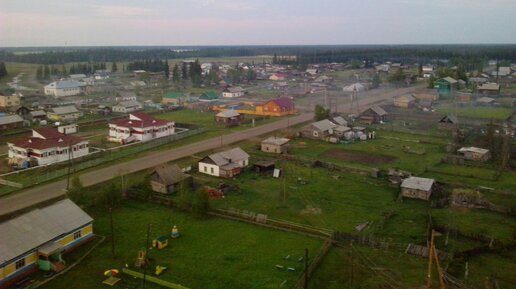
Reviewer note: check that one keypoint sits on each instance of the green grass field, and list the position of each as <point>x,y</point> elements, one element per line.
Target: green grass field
<point>211,253</point>
<point>496,113</point>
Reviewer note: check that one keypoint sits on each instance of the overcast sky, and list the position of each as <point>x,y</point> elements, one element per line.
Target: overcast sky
<point>260,22</point>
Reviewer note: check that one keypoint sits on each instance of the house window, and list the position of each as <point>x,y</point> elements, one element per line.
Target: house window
<point>76,235</point>
<point>316,134</point>
<point>205,169</point>
<point>20,263</point>
<point>211,170</point>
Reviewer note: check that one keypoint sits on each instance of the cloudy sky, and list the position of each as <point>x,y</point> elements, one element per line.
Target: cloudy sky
<point>260,22</point>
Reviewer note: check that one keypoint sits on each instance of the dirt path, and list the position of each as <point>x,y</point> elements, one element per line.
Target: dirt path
<point>45,192</point>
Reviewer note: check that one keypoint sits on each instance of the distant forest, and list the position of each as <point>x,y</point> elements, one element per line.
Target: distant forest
<point>299,54</point>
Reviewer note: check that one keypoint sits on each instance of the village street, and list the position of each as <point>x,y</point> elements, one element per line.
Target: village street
<point>45,192</point>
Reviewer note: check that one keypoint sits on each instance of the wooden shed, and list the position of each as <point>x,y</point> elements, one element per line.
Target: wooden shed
<point>417,188</point>
<point>167,178</point>
<point>276,145</point>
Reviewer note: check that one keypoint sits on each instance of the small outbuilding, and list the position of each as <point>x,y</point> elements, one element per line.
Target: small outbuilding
<point>374,114</point>
<point>229,117</point>
<point>475,154</point>
<point>404,101</point>
<point>417,188</point>
<point>276,145</point>
<point>166,179</point>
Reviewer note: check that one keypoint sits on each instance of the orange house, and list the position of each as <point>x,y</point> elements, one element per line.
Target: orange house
<point>276,107</point>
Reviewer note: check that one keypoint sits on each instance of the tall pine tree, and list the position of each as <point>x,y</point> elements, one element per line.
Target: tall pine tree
<point>114,67</point>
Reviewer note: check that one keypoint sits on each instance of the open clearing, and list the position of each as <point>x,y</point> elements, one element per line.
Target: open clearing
<point>356,156</point>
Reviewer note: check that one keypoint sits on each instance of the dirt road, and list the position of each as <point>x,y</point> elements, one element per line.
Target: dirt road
<point>38,194</point>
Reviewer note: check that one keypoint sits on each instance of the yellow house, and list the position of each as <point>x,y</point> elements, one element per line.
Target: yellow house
<point>39,238</point>
<point>7,101</point>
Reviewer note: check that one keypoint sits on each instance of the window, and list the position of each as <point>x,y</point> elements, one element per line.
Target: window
<point>211,170</point>
<point>316,134</point>
<point>20,263</point>
<point>205,169</point>
<point>76,235</point>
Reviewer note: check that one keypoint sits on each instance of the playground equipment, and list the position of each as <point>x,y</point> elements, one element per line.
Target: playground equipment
<point>141,261</point>
<point>160,242</point>
<point>175,232</point>
<point>160,270</point>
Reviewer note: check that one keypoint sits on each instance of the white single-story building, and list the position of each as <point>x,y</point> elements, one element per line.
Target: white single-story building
<point>67,87</point>
<point>224,164</point>
<point>139,127</point>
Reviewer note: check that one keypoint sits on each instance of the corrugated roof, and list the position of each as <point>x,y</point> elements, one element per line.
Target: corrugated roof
<point>228,113</point>
<point>340,120</point>
<point>324,125</point>
<point>68,83</point>
<point>417,183</point>
<point>170,174</point>
<point>378,110</point>
<point>129,103</point>
<point>474,150</point>
<point>64,109</point>
<point>276,140</point>
<point>8,119</point>
<point>229,156</point>
<point>37,227</point>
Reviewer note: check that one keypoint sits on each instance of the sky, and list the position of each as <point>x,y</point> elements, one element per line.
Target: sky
<point>255,22</point>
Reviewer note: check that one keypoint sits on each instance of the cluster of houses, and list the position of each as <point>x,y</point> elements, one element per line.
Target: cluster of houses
<point>335,130</point>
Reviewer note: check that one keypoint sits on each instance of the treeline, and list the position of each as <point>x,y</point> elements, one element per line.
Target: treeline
<point>3,70</point>
<point>45,72</point>
<point>154,65</point>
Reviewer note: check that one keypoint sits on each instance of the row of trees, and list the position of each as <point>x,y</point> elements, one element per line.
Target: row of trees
<point>44,72</point>
<point>154,65</point>
<point>3,70</point>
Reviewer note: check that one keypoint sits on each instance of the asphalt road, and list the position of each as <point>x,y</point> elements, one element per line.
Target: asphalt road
<point>32,196</point>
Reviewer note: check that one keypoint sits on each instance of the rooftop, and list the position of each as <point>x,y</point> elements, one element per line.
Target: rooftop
<point>416,183</point>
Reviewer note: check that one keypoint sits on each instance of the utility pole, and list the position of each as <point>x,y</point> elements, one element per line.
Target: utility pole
<point>69,167</point>
<point>306,268</point>
<point>112,233</point>
<point>146,256</point>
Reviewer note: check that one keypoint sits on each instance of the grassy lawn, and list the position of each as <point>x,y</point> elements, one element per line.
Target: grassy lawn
<point>211,253</point>
<point>497,113</point>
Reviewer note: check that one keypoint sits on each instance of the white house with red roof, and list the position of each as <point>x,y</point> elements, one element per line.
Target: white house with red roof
<point>139,127</point>
<point>46,146</point>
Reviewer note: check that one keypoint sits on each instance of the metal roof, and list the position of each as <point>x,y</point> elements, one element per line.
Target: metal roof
<point>64,109</point>
<point>276,140</point>
<point>340,120</point>
<point>229,156</point>
<point>417,183</point>
<point>14,118</point>
<point>324,125</point>
<point>68,83</point>
<point>474,150</point>
<point>228,113</point>
<point>37,227</point>
<point>170,174</point>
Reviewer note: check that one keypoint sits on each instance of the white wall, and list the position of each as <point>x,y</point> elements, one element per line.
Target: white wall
<point>207,169</point>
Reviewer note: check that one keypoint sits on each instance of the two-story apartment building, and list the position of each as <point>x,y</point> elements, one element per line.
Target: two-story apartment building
<point>139,127</point>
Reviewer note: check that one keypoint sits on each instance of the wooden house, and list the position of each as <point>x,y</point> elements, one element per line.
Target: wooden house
<point>275,145</point>
<point>276,107</point>
<point>446,85</point>
<point>489,89</point>
<point>10,122</point>
<point>417,188</point>
<point>166,179</point>
<point>321,130</point>
<point>229,117</point>
<point>40,240</point>
<point>374,114</point>
<point>226,164</point>
<point>174,98</point>
<point>404,101</point>
<point>448,122</point>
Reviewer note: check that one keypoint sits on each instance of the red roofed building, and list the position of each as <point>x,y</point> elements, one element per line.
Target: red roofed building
<point>139,127</point>
<point>46,146</point>
<point>278,76</point>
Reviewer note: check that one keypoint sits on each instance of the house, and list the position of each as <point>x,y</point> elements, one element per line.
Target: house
<point>446,85</point>
<point>417,188</point>
<point>139,126</point>
<point>209,96</point>
<point>37,115</point>
<point>40,238</point>
<point>174,98</point>
<point>77,77</point>
<point>404,101</point>
<point>167,179</point>
<point>276,145</point>
<point>383,67</point>
<point>67,87</point>
<point>323,79</point>
<point>321,130</point>
<point>10,121</point>
<point>101,74</point>
<point>475,154</point>
<point>138,83</point>
<point>502,71</point>
<point>276,107</point>
<point>64,114</point>
<point>354,87</point>
<point>7,101</point>
<point>46,146</point>
<point>232,92</point>
<point>463,97</point>
<point>278,76</point>
<point>226,164</point>
<point>339,120</point>
<point>229,117</point>
<point>68,129</point>
<point>374,114</point>
<point>125,96</point>
<point>312,71</point>
<point>489,89</point>
<point>127,106</point>
<point>22,111</point>
<point>428,70</point>
<point>280,85</point>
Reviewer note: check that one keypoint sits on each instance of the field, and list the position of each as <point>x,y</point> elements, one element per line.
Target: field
<point>211,253</point>
<point>496,113</point>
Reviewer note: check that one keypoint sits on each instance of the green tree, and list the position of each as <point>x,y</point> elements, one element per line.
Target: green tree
<point>275,59</point>
<point>175,73</point>
<point>321,113</point>
<point>200,203</point>
<point>376,81</point>
<point>76,190</point>
<point>3,70</point>
<point>397,76</point>
<point>420,70</point>
<point>184,71</point>
<point>431,81</point>
<point>39,73</point>
<point>63,70</point>
<point>355,64</point>
<point>114,67</point>
<point>166,68</point>
<point>46,72</point>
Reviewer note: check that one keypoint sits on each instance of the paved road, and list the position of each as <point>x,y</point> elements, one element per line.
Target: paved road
<point>38,194</point>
